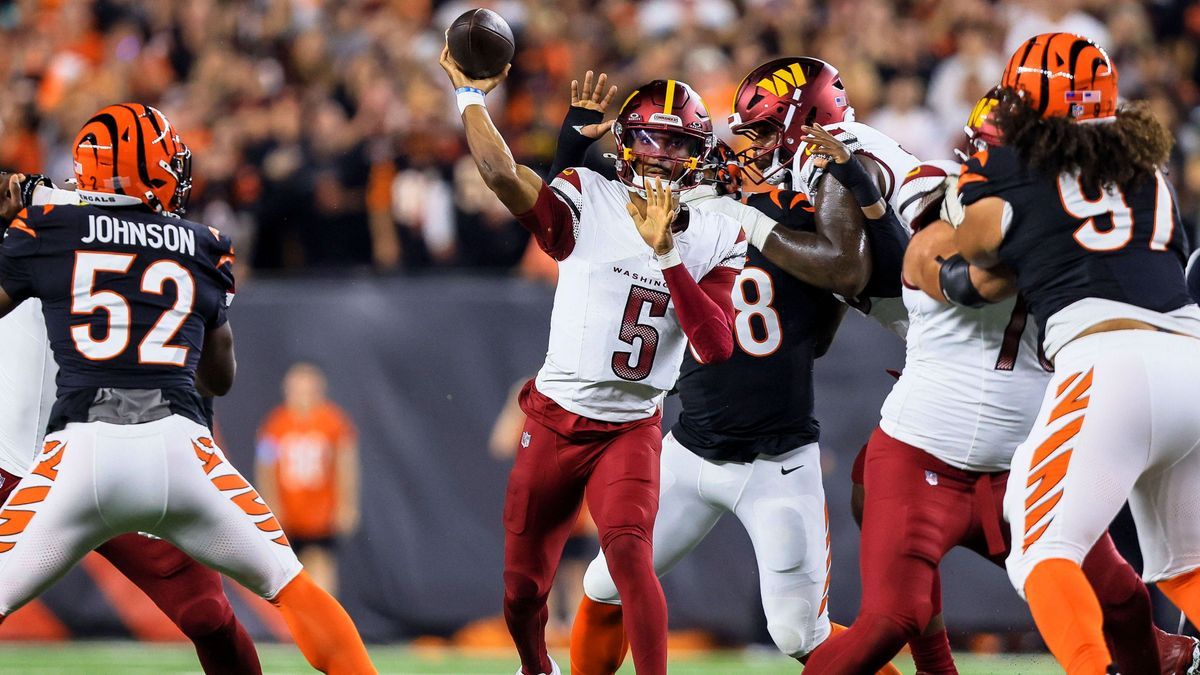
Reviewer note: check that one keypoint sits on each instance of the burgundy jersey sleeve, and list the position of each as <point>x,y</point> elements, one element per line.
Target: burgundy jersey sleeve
<point>554,219</point>
<point>705,309</point>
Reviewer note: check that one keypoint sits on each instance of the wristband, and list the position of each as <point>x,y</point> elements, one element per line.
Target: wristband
<point>669,259</point>
<point>955,280</point>
<point>757,229</point>
<point>856,179</point>
<point>468,96</point>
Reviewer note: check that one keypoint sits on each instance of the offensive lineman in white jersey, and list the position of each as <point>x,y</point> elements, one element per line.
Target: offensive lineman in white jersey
<point>635,285</point>
<point>936,468</point>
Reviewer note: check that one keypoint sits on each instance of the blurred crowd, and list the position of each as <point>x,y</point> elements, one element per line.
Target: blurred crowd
<point>325,134</point>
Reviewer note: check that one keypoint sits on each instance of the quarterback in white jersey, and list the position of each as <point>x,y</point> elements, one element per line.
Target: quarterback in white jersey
<point>639,279</point>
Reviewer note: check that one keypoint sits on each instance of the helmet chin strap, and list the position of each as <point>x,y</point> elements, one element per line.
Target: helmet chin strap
<point>637,184</point>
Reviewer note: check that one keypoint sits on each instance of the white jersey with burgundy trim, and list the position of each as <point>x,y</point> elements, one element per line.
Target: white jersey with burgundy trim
<point>895,162</point>
<point>27,372</point>
<point>616,345</point>
<point>972,383</point>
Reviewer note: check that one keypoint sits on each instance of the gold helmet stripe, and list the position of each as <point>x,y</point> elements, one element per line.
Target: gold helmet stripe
<point>670,97</point>
<point>628,99</point>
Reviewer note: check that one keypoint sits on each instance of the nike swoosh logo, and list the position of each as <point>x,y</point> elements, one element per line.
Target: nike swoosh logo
<point>787,471</point>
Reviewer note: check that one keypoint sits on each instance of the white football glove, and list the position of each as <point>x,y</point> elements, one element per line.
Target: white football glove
<point>952,207</point>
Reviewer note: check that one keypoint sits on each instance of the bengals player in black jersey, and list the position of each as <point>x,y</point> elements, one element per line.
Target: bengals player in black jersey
<point>1075,204</point>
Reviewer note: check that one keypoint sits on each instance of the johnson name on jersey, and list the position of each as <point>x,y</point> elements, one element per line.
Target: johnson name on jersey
<point>1083,255</point>
<point>127,296</point>
<point>760,401</point>
<point>615,342</point>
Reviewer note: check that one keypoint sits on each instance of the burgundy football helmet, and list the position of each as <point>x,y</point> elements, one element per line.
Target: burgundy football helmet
<point>981,128</point>
<point>780,96</point>
<point>663,130</point>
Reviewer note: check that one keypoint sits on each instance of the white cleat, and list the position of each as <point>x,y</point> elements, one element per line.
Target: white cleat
<point>553,669</point>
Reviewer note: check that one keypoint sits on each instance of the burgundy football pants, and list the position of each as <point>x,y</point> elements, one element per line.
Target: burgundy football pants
<point>615,466</point>
<point>918,508</point>
<point>189,593</point>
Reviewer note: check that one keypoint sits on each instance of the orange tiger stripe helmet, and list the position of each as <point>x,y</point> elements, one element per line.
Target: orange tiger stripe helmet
<point>1064,75</point>
<point>129,154</point>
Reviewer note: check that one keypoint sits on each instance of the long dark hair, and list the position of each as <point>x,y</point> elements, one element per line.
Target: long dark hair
<point>1122,152</point>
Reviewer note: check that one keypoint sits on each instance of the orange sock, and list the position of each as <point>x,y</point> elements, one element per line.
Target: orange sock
<point>322,629</point>
<point>1068,616</point>
<point>1184,591</point>
<point>598,642</point>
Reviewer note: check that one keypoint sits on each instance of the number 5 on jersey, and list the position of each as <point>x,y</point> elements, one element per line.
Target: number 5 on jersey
<point>86,300</point>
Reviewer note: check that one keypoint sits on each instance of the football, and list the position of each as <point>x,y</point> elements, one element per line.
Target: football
<point>922,192</point>
<point>481,43</point>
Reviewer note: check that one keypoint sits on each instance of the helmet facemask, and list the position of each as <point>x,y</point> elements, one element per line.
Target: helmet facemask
<point>768,157</point>
<point>673,156</point>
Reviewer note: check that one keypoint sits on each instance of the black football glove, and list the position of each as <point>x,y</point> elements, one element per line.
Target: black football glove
<point>31,182</point>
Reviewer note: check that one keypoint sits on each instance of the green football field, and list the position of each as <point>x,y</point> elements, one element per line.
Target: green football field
<point>128,658</point>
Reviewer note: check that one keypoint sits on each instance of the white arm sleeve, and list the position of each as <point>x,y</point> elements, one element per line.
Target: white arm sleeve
<point>44,195</point>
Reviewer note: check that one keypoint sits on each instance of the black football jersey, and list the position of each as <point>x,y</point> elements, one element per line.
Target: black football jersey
<point>1068,242</point>
<point>127,296</point>
<point>760,401</point>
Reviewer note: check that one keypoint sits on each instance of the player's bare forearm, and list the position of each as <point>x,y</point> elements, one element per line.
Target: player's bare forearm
<point>935,244</point>
<point>978,237</point>
<point>218,365</point>
<point>835,257</point>
<point>516,185</point>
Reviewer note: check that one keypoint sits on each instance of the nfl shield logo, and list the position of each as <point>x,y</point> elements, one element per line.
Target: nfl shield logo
<point>525,438</point>
<point>931,478</point>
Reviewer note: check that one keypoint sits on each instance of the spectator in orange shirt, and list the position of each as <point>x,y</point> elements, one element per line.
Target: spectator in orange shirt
<point>307,469</point>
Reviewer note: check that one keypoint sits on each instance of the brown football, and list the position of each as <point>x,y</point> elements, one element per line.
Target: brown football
<point>481,43</point>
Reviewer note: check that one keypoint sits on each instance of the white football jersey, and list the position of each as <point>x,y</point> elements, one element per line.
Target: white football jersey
<point>972,382</point>
<point>864,140</point>
<point>615,343</point>
<point>27,371</point>
<point>896,162</point>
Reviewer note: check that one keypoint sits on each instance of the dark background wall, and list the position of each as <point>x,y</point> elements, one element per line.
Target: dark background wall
<point>423,366</point>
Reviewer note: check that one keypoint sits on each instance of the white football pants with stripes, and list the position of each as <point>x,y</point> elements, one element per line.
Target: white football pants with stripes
<point>94,481</point>
<point>1120,421</point>
<point>784,514</point>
